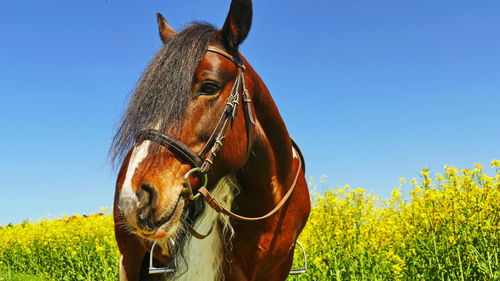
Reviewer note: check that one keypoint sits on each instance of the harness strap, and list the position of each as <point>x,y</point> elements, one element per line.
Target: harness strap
<point>216,139</point>
<point>223,53</point>
<point>250,119</point>
<point>217,206</point>
<point>171,144</point>
<point>213,136</point>
<point>196,234</point>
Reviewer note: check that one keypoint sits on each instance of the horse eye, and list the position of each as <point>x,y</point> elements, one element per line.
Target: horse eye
<point>209,88</point>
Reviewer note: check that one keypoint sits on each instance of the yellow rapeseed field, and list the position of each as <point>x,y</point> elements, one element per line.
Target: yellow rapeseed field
<point>71,248</point>
<point>446,228</point>
<point>449,229</point>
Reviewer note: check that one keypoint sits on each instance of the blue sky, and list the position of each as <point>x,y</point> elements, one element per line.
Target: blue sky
<point>371,90</point>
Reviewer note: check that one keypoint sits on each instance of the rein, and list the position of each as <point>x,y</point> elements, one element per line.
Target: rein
<point>203,162</point>
<point>221,209</point>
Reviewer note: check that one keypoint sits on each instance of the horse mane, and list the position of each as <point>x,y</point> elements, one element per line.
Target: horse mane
<point>161,96</point>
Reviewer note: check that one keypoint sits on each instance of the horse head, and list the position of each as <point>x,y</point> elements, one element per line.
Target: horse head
<point>190,109</point>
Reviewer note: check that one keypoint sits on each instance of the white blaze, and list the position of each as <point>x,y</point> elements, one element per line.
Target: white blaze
<point>127,194</point>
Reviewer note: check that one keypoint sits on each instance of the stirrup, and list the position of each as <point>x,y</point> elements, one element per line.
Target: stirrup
<point>300,270</point>
<point>159,270</point>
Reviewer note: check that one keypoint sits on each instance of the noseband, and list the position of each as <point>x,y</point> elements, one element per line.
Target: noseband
<point>203,160</point>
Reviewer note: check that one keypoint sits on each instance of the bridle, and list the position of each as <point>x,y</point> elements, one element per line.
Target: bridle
<point>203,160</point>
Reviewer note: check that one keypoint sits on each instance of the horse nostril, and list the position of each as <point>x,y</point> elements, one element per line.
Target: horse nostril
<point>144,193</point>
<point>148,200</point>
<point>126,203</point>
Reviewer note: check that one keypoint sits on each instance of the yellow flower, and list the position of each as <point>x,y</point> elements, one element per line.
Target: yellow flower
<point>413,182</point>
<point>478,167</point>
<point>402,181</point>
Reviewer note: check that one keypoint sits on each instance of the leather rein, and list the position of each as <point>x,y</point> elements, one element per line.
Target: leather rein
<point>202,163</point>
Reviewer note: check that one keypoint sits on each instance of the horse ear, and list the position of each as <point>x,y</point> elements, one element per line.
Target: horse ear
<point>166,31</point>
<point>237,25</point>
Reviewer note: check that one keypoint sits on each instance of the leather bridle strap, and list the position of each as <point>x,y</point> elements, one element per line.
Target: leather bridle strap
<point>196,234</point>
<point>216,139</point>
<point>223,53</point>
<point>174,145</point>
<point>217,206</point>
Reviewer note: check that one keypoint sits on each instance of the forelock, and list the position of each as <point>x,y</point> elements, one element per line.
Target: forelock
<point>161,95</point>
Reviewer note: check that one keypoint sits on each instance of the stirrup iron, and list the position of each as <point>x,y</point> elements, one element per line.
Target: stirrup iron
<point>300,270</point>
<point>159,270</point>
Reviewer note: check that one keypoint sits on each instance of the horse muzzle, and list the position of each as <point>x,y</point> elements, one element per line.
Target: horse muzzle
<point>140,211</point>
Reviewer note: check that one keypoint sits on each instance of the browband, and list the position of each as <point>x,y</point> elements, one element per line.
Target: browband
<point>225,54</point>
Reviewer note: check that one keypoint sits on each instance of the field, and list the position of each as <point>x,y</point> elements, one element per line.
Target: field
<point>446,228</point>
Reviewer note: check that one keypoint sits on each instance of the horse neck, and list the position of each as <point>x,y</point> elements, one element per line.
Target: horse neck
<point>268,171</point>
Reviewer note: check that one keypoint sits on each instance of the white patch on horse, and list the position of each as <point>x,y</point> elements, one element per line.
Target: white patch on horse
<point>122,274</point>
<point>127,194</point>
<point>205,257</point>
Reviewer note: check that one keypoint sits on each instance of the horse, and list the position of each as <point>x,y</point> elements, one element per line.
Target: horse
<point>209,174</point>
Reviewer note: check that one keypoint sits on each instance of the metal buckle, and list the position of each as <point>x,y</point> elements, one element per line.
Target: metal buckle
<point>187,185</point>
<point>300,270</point>
<point>159,270</point>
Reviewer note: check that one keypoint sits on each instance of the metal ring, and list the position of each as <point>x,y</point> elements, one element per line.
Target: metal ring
<point>189,188</point>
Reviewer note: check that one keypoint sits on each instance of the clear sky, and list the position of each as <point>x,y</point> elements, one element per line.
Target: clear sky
<point>371,90</point>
